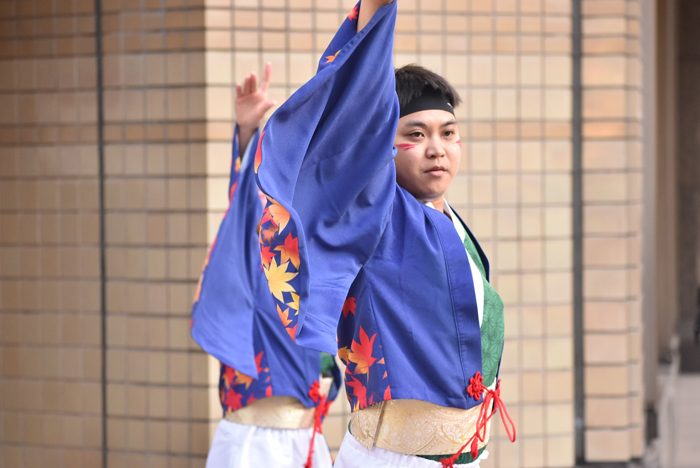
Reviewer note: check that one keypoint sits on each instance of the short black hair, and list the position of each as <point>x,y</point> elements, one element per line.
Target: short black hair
<point>413,80</point>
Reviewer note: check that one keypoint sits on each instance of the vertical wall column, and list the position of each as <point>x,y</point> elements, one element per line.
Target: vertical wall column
<point>612,197</point>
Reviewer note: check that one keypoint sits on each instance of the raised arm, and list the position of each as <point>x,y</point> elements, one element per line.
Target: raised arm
<point>367,10</point>
<point>325,161</point>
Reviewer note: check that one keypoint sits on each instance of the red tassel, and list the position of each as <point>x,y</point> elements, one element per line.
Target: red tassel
<point>320,412</point>
<point>485,414</point>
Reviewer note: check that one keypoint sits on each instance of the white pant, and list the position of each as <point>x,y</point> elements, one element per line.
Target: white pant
<point>352,454</point>
<point>239,446</point>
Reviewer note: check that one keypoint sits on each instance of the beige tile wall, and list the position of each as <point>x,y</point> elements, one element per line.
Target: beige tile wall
<point>612,166</point>
<point>159,402</point>
<point>50,358</point>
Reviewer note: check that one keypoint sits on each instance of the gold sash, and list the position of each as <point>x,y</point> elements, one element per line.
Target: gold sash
<point>278,412</point>
<point>415,427</point>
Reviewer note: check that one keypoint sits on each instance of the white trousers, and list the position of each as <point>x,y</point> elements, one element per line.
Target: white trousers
<point>239,446</point>
<point>352,454</point>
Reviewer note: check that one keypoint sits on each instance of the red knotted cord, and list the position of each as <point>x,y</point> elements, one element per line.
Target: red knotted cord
<point>481,423</point>
<point>320,413</point>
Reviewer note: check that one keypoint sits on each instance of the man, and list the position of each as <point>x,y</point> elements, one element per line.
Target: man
<point>274,394</point>
<point>388,273</point>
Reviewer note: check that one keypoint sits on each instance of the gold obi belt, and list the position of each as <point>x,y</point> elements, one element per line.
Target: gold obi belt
<point>415,427</point>
<point>278,412</point>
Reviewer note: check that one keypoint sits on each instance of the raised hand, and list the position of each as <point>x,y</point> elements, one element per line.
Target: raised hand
<point>251,105</point>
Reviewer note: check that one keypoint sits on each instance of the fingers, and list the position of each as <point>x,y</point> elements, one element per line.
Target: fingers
<point>239,90</point>
<point>269,105</point>
<point>266,78</point>
<point>253,82</point>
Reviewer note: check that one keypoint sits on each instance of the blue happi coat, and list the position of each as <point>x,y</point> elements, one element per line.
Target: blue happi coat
<point>385,276</point>
<point>234,317</point>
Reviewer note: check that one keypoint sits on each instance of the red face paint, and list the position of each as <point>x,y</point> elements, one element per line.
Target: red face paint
<point>459,142</point>
<point>406,146</point>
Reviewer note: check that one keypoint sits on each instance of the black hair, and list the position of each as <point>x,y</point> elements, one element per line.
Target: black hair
<point>413,80</point>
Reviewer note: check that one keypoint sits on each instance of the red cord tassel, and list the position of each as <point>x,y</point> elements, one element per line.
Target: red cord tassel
<point>320,413</point>
<point>485,414</point>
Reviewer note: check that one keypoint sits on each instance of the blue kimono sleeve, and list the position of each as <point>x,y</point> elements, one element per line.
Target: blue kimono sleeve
<point>222,314</point>
<point>325,161</point>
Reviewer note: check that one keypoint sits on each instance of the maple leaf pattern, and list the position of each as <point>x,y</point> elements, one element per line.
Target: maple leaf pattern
<point>354,13</point>
<point>258,153</point>
<point>290,250</point>
<point>284,316</point>
<point>242,379</point>
<point>332,58</point>
<point>280,215</point>
<point>266,256</point>
<point>278,279</point>
<point>294,304</point>
<point>349,307</point>
<point>237,390</point>
<point>359,393</point>
<point>362,353</point>
<point>343,354</point>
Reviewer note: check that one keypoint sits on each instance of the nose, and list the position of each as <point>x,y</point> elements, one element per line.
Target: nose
<point>436,148</point>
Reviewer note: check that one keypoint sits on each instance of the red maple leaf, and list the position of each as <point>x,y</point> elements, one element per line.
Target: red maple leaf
<point>290,250</point>
<point>353,14</point>
<point>269,233</point>
<point>229,375</point>
<point>349,307</point>
<point>362,353</point>
<point>268,391</point>
<point>266,256</point>
<point>233,400</point>
<point>258,361</point>
<point>358,391</point>
<point>250,399</point>
<point>233,190</point>
<point>387,393</point>
<point>266,216</point>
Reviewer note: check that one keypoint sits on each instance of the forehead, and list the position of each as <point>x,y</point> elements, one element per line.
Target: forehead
<point>433,118</point>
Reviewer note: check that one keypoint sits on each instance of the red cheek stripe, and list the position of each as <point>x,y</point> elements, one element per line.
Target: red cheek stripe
<point>406,146</point>
<point>459,142</point>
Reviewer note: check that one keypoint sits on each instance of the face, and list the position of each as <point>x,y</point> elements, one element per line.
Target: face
<point>429,151</point>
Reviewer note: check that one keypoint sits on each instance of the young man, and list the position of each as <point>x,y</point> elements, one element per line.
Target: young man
<point>388,274</point>
<point>274,394</point>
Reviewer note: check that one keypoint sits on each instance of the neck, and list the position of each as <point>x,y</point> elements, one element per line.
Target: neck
<point>439,203</point>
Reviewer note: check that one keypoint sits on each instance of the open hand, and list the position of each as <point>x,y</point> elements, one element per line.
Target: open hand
<point>252,102</point>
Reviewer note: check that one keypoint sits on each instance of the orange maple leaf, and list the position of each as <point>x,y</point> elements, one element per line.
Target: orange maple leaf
<point>266,256</point>
<point>292,332</point>
<point>279,214</point>
<point>353,14</point>
<point>266,216</point>
<point>290,250</point>
<point>362,353</point>
<point>258,153</point>
<point>237,164</point>
<point>332,58</point>
<point>349,307</point>
<point>343,354</point>
<point>233,190</point>
<point>269,233</point>
<point>243,379</point>
<point>358,391</point>
<point>284,316</point>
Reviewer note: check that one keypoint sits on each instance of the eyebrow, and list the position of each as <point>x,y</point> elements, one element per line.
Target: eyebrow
<point>418,123</point>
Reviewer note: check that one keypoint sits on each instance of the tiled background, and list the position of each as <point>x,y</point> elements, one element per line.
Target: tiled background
<point>170,67</point>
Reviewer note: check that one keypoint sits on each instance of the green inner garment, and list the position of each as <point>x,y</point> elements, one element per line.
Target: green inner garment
<point>492,327</point>
<point>327,363</point>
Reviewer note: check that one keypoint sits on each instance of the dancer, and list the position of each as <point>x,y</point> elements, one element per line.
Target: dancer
<point>388,273</point>
<point>274,394</point>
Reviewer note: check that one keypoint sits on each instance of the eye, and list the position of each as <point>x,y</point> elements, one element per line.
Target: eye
<point>449,133</point>
<point>415,135</point>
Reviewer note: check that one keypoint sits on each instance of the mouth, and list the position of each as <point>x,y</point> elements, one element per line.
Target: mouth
<point>436,170</point>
